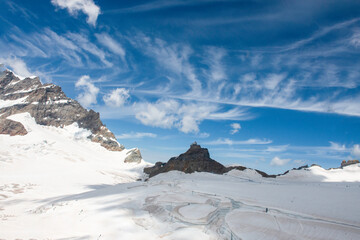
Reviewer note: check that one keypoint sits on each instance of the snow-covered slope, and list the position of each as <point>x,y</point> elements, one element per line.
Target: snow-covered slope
<point>57,184</point>
<point>349,173</point>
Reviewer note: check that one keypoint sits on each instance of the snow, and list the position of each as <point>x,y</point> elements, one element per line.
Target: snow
<point>22,91</point>
<point>272,225</point>
<point>62,101</point>
<point>249,174</point>
<point>57,184</point>
<point>315,173</point>
<point>196,211</point>
<point>9,103</point>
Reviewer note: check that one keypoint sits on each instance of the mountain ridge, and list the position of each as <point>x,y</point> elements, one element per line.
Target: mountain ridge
<point>49,106</point>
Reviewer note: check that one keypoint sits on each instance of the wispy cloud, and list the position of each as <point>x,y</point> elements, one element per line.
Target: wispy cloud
<point>356,151</point>
<point>322,32</point>
<point>109,42</point>
<point>235,128</point>
<point>136,135</point>
<point>277,148</point>
<point>173,57</point>
<point>160,4</point>
<point>88,7</point>
<point>82,41</point>
<point>227,141</point>
<point>337,147</point>
<point>73,49</point>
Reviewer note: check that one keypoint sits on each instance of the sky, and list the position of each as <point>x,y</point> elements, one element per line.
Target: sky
<point>270,85</point>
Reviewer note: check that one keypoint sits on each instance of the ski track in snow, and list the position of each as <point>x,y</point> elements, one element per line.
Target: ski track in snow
<point>57,184</point>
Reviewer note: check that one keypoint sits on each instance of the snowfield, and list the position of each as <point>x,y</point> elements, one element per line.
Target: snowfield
<point>57,184</point>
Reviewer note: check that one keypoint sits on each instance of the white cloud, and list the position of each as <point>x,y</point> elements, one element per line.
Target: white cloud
<point>159,114</point>
<point>227,141</point>
<point>337,147</point>
<point>18,66</point>
<point>273,80</point>
<point>88,7</point>
<point>235,128</point>
<point>170,113</point>
<point>276,161</point>
<point>136,135</point>
<point>90,91</point>
<point>117,97</point>
<point>356,151</point>
<point>111,44</point>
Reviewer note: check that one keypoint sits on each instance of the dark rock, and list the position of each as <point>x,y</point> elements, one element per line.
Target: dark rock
<point>196,159</point>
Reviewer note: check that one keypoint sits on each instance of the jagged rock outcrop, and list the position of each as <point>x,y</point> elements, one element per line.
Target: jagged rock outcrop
<point>196,159</point>
<point>49,105</point>
<point>133,156</point>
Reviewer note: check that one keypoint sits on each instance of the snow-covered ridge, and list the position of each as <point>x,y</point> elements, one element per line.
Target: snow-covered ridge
<point>314,173</point>
<point>18,76</point>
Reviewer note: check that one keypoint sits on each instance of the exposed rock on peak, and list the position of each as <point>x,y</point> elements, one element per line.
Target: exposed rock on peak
<point>49,105</point>
<point>196,159</point>
<point>349,162</point>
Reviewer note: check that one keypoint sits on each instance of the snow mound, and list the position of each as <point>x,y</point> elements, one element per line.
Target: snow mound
<point>349,173</point>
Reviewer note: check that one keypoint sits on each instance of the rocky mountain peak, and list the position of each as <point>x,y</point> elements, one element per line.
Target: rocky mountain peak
<point>195,159</point>
<point>196,150</point>
<point>49,106</point>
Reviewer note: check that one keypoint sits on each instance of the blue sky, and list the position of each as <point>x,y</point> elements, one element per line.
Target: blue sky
<point>267,84</point>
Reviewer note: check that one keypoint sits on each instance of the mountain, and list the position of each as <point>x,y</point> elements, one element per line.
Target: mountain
<point>197,159</point>
<point>49,106</point>
<point>59,181</point>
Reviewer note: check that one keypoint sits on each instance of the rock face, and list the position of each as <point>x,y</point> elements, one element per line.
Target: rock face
<point>12,128</point>
<point>196,159</point>
<point>49,105</point>
<point>133,156</point>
